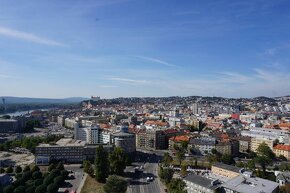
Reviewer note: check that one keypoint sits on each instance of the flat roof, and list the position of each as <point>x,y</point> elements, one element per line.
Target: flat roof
<point>227,167</point>
<point>65,142</point>
<point>245,184</point>
<point>202,181</point>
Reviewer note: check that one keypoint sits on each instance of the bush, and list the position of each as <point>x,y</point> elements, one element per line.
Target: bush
<point>9,170</point>
<point>115,184</point>
<point>18,169</point>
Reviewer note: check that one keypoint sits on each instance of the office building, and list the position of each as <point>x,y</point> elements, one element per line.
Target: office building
<point>9,126</point>
<point>199,184</point>
<point>127,141</point>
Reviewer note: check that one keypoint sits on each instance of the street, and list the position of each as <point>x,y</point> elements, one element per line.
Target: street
<point>138,180</point>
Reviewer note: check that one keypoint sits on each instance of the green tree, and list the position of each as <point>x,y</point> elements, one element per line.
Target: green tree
<point>251,165</point>
<point>263,161</point>
<point>264,150</point>
<point>9,170</point>
<point>36,175</point>
<point>19,189</point>
<point>64,173</point>
<point>51,167</point>
<point>166,159</point>
<point>177,186</point>
<point>86,164</point>
<point>184,145</point>
<point>52,188</point>
<point>165,174</point>
<point>30,189</point>
<point>38,182</point>
<point>18,169</point>
<point>40,189</point>
<point>59,180</point>
<point>2,170</point>
<point>101,164</point>
<point>117,159</point>
<point>183,170</point>
<point>8,189</point>
<point>115,184</point>
<point>180,156</point>
<point>227,159</point>
<point>60,166</point>
<point>213,151</point>
<point>26,169</point>
<point>35,168</point>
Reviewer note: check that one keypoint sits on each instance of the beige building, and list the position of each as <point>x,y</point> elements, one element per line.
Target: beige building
<point>255,142</point>
<point>150,139</point>
<point>225,170</point>
<point>224,147</point>
<point>283,150</point>
<point>244,144</point>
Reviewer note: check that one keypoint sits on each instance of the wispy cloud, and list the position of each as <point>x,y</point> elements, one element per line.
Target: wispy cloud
<point>28,37</point>
<point>156,60</point>
<point>129,81</point>
<point>107,86</point>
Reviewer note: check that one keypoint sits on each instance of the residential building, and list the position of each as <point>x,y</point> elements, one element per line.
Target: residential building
<point>224,147</point>
<point>150,139</point>
<point>126,141</point>
<point>177,140</point>
<point>60,120</point>
<point>255,142</point>
<point>71,123</point>
<point>199,184</point>
<point>283,178</point>
<point>9,126</point>
<point>201,145</point>
<point>283,150</point>
<point>249,184</point>
<point>244,144</point>
<point>224,170</point>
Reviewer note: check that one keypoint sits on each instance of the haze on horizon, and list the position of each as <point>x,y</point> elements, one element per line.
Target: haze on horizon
<point>123,48</point>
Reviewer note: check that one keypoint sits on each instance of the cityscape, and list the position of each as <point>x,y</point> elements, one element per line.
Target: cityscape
<point>135,96</point>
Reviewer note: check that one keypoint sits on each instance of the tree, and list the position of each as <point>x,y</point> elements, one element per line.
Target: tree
<point>19,189</point>
<point>101,164</point>
<point>52,188</point>
<point>183,170</point>
<point>40,189</point>
<point>8,189</point>
<point>251,165</point>
<point>86,164</point>
<point>51,167</point>
<point>115,184</point>
<point>177,186</point>
<point>2,170</point>
<point>263,161</point>
<point>9,170</point>
<point>64,173</point>
<point>167,159</point>
<point>117,159</point>
<point>180,156</point>
<point>213,151</point>
<point>60,166</point>
<point>59,180</point>
<point>227,159</point>
<point>38,182</point>
<point>30,189</point>
<point>36,175</point>
<point>35,168</point>
<point>18,169</point>
<point>184,145</point>
<point>166,174</point>
<point>48,180</point>
<point>26,169</point>
<point>264,150</point>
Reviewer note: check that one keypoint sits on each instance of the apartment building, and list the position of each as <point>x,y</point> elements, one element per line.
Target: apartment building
<point>9,126</point>
<point>201,145</point>
<point>283,150</point>
<point>150,139</point>
<point>255,142</point>
<point>224,170</point>
<point>199,184</point>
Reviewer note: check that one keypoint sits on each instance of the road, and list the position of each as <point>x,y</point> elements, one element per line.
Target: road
<point>78,174</point>
<point>138,181</point>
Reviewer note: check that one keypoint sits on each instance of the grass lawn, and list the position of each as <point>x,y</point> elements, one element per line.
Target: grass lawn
<point>92,186</point>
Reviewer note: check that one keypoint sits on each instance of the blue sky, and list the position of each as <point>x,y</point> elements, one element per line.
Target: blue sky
<point>119,48</point>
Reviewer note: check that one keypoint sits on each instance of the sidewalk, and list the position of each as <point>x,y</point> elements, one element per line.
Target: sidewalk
<point>82,183</point>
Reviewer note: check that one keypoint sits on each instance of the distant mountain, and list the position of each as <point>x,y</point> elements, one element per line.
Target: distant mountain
<point>21,100</point>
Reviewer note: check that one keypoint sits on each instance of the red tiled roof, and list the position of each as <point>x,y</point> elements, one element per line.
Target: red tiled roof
<point>180,138</point>
<point>282,147</point>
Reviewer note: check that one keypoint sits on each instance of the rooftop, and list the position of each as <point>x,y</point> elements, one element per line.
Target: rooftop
<point>227,167</point>
<point>250,184</point>
<point>202,181</point>
<point>64,142</point>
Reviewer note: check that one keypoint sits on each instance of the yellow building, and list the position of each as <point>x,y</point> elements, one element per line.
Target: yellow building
<point>255,142</point>
<point>225,170</point>
<point>283,150</point>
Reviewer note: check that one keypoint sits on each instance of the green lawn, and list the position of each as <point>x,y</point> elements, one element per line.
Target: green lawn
<point>92,186</point>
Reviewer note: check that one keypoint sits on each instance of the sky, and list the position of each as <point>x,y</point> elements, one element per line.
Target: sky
<point>141,48</point>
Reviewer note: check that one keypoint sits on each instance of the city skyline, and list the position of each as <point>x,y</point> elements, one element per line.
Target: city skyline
<point>124,48</point>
